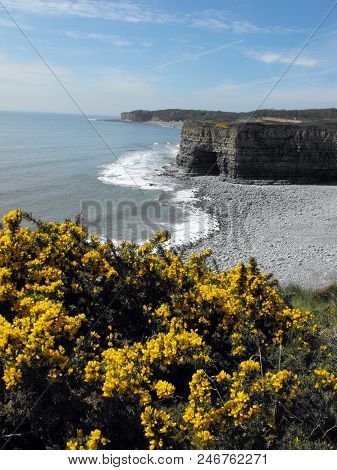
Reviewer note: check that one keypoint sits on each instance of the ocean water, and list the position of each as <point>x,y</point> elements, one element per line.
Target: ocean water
<point>57,166</point>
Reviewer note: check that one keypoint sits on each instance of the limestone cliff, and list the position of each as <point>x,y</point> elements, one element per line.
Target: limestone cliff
<point>255,151</point>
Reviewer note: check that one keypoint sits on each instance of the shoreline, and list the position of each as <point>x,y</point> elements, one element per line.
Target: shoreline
<point>290,230</point>
<point>174,124</point>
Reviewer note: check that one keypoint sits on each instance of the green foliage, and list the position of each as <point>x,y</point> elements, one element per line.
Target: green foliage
<point>323,302</point>
<point>128,347</point>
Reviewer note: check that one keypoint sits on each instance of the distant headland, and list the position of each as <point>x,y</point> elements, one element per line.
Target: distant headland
<point>181,115</point>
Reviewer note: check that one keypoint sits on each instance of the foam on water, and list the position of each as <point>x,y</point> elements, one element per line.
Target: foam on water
<point>196,223</point>
<point>141,168</point>
<point>185,195</point>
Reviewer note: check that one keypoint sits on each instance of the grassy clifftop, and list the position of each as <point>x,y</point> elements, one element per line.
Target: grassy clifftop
<point>202,115</point>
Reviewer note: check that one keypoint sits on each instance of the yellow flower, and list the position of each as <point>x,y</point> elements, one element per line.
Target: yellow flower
<point>11,376</point>
<point>164,389</point>
<point>13,218</point>
<point>326,380</point>
<point>157,425</point>
<point>91,442</point>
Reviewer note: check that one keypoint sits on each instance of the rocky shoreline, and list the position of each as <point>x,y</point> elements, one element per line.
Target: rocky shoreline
<point>178,125</point>
<point>156,122</point>
<point>290,230</point>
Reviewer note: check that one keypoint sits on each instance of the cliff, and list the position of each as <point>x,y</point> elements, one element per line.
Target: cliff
<point>256,151</point>
<point>177,115</point>
<point>199,115</point>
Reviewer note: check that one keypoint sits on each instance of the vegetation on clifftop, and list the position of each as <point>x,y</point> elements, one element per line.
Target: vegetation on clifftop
<point>202,115</point>
<point>129,347</point>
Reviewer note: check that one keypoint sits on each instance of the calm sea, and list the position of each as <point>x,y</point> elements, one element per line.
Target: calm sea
<point>57,166</point>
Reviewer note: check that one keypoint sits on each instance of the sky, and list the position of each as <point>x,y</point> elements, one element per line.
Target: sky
<point>114,56</point>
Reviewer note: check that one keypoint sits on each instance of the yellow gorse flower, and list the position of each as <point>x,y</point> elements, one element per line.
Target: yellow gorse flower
<point>91,442</point>
<point>186,350</point>
<point>164,389</point>
<point>325,380</point>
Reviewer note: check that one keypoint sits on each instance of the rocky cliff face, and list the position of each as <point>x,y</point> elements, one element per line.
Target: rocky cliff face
<point>252,152</point>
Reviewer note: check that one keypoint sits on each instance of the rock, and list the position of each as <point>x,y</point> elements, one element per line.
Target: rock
<point>255,152</point>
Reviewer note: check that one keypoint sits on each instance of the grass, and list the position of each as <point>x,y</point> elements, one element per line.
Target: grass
<point>322,302</point>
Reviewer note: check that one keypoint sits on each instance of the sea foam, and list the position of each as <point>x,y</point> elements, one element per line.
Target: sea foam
<point>141,168</point>
<point>196,223</point>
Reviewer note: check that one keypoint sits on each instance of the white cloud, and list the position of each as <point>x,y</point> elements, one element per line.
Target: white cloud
<point>245,27</point>
<point>110,38</point>
<point>114,40</point>
<point>218,20</point>
<point>120,11</point>
<point>30,86</point>
<point>6,22</point>
<point>273,57</point>
<point>144,12</point>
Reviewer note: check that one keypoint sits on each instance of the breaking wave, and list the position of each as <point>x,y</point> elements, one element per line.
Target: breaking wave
<point>141,168</point>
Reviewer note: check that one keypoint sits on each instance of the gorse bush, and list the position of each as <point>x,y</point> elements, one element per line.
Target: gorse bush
<point>131,347</point>
<point>222,125</point>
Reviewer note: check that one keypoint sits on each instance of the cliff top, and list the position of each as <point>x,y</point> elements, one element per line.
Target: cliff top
<point>323,123</point>
<point>227,116</point>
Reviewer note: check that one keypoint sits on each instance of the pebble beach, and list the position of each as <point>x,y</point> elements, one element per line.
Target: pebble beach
<point>291,230</point>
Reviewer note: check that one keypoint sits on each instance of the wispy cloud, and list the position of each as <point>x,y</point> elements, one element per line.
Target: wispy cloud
<point>219,20</point>
<point>145,12</point>
<point>6,22</point>
<point>132,12</point>
<point>110,38</point>
<point>274,57</point>
<point>118,41</point>
<point>114,40</point>
<point>197,55</point>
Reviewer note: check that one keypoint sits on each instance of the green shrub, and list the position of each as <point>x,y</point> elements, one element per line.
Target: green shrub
<point>131,347</point>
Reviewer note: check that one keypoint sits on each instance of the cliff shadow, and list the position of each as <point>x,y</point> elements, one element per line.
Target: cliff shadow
<point>205,162</point>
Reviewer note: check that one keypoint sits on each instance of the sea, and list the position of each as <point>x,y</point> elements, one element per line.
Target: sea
<point>59,166</point>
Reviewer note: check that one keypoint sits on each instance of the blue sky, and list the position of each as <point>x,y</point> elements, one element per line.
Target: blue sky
<point>151,54</point>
